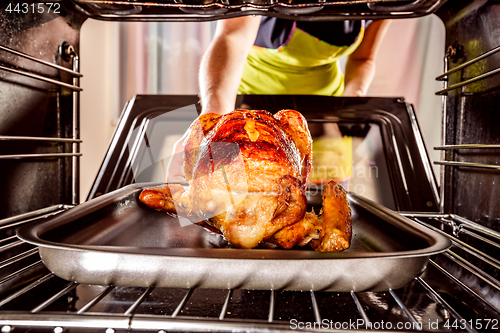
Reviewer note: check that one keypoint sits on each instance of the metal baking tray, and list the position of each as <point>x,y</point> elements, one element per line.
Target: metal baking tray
<point>116,240</point>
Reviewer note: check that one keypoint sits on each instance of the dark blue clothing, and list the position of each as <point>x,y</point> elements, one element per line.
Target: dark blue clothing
<point>275,32</point>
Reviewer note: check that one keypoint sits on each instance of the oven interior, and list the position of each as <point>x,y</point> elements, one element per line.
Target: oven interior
<point>39,159</point>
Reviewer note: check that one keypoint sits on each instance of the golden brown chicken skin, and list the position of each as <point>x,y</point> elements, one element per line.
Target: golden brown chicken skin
<point>247,173</point>
<point>196,132</point>
<point>295,126</point>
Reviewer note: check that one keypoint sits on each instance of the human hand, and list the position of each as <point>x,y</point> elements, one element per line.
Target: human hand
<point>354,92</point>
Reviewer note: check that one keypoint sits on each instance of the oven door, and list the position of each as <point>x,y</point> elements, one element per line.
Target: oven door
<point>373,146</point>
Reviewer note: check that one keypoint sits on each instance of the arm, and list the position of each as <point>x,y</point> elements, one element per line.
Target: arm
<point>220,75</point>
<point>360,66</point>
<point>222,65</point>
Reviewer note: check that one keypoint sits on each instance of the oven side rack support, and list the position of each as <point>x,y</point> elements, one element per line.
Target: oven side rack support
<point>69,54</point>
<point>449,160</point>
<point>445,75</point>
<point>43,62</point>
<point>466,164</point>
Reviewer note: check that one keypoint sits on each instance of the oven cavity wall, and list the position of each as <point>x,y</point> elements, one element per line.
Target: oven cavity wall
<point>471,111</point>
<point>39,120</point>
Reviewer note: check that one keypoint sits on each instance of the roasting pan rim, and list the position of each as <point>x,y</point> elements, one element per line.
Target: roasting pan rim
<point>346,271</point>
<point>31,234</point>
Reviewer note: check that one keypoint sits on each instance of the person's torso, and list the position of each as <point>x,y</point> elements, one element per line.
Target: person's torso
<point>290,57</point>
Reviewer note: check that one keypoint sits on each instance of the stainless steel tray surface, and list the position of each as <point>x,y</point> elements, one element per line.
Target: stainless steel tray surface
<point>116,240</point>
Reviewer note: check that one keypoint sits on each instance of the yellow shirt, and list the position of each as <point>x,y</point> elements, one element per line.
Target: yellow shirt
<point>305,66</point>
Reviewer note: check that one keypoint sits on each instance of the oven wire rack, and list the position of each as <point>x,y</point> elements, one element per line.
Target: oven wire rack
<point>458,291</point>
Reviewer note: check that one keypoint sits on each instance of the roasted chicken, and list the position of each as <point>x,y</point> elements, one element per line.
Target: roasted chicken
<point>247,174</point>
